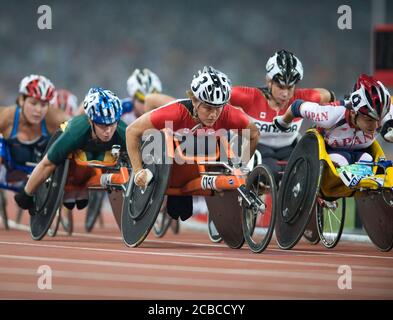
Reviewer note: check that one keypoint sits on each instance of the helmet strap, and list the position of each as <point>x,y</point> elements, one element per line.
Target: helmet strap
<point>94,131</point>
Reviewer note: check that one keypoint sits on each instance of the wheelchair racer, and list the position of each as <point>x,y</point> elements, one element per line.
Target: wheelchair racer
<point>139,84</point>
<point>94,133</point>
<point>283,72</point>
<point>207,109</point>
<point>25,129</point>
<point>349,127</point>
<point>66,101</point>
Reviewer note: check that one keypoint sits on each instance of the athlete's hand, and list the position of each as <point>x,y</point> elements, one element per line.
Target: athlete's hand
<point>387,131</point>
<point>389,135</point>
<point>281,124</point>
<point>24,200</point>
<point>143,177</point>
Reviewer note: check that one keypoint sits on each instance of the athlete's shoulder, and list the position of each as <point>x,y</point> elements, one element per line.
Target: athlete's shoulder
<point>122,125</point>
<point>79,122</point>
<point>245,91</point>
<point>6,118</point>
<point>308,94</point>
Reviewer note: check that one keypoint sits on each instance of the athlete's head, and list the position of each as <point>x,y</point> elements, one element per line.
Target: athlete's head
<point>104,110</point>
<point>35,94</point>
<point>283,71</point>
<point>66,101</point>
<point>370,103</point>
<point>210,92</point>
<point>140,84</point>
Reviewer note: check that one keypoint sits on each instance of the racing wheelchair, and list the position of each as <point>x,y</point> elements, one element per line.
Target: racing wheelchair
<point>77,174</point>
<point>236,198</point>
<point>311,180</point>
<point>15,179</point>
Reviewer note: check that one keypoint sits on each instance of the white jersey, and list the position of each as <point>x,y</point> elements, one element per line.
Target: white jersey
<point>333,122</point>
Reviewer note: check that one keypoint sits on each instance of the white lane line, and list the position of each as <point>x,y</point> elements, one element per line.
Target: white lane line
<point>186,293</point>
<point>262,260</point>
<point>125,293</point>
<point>239,283</point>
<point>292,252</point>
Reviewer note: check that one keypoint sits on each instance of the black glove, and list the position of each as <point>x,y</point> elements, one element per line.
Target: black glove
<point>24,200</point>
<point>280,124</point>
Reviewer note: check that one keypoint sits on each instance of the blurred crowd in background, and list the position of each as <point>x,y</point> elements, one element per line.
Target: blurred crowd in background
<point>101,42</point>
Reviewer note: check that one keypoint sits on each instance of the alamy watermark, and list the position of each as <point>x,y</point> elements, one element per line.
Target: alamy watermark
<point>44,281</point>
<point>344,281</point>
<point>222,145</point>
<point>44,21</point>
<point>345,19</point>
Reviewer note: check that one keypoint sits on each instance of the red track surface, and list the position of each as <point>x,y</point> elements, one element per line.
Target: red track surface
<point>184,266</point>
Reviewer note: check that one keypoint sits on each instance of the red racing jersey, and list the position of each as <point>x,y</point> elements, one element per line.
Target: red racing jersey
<point>178,115</point>
<point>254,103</point>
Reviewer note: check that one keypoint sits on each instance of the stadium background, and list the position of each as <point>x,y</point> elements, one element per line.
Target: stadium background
<point>100,42</point>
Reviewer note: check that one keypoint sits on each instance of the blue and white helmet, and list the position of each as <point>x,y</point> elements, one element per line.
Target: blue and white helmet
<point>102,106</point>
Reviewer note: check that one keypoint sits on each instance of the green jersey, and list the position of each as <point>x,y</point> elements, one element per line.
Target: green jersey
<point>77,135</point>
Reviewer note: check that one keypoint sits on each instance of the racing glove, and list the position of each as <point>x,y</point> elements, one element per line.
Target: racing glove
<point>24,200</point>
<point>148,178</point>
<point>387,131</point>
<point>281,124</point>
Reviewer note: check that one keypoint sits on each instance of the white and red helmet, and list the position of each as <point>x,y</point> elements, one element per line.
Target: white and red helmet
<point>370,98</point>
<point>38,87</point>
<point>66,101</point>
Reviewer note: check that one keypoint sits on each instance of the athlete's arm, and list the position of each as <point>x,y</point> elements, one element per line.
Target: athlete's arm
<point>324,116</point>
<point>254,138</point>
<point>387,126</point>
<point>326,95</point>
<point>54,118</point>
<point>81,110</point>
<point>40,173</point>
<point>155,100</point>
<point>134,133</point>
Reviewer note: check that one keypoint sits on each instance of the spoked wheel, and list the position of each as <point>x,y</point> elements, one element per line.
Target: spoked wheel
<point>163,221</point>
<point>214,236</point>
<point>3,212</point>
<point>96,199</point>
<point>259,216</point>
<point>330,221</point>
<point>19,216</point>
<point>175,226</point>
<point>67,221</point>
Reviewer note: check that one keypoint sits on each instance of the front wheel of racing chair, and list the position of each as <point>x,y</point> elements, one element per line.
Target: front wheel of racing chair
<point>298,192</point>
<point>48,198</point>
<point>330,218</point>
<point>141,207</point>
<point>214,236</point>
<point>259,218</point>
